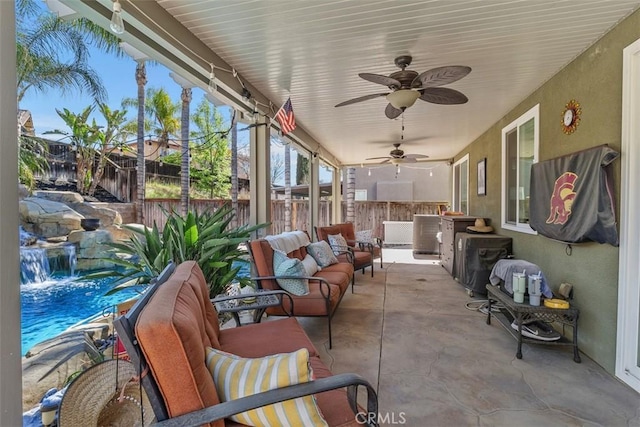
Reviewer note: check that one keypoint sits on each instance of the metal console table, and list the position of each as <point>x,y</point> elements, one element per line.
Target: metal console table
<point>520,312</point>
<point>236,303</point>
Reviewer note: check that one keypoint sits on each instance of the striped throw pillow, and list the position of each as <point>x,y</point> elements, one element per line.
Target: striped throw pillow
<point>237,377</point>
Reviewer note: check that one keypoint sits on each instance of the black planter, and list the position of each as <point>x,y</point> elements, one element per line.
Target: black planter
<point>90,224</point>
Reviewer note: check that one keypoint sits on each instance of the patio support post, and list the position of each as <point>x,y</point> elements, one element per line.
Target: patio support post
<point>314,192</point>
<point>336,205</point>
<point>10,364</point>
<point>260,184</point>
<point>351,194</point>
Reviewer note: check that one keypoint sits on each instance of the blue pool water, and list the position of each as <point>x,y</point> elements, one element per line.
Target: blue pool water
<point>51,306</point>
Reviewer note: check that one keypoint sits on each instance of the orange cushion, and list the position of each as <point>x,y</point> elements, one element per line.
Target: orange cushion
<point>256,340</point>
<point>173,330</point>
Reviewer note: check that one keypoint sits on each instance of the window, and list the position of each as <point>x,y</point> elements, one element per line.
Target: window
<point>461,185</point>
<point>519,152</point>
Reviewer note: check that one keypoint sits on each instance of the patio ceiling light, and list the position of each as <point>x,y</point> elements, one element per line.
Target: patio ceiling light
<point>403,98</point>
<point>117,24</point>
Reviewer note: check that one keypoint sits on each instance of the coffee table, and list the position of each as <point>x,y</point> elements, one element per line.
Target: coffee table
<point>524,311</point>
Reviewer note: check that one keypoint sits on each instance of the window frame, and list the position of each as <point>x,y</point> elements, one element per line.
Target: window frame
<point>456,183</point>
<point>533,113</point>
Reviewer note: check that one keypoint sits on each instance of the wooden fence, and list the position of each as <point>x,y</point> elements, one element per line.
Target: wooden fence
<point>369,214</point>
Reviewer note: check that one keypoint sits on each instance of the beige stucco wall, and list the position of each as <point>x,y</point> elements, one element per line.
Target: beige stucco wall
<point>594,79</point>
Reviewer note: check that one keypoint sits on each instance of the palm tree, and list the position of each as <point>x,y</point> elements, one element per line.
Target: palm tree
<point>234,169</point>
<point>184,164</point>
<point>161,114</point>
<point>52,53</point>
<point>141,80</point>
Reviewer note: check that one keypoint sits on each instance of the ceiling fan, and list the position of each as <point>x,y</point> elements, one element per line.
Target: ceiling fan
<point>397,156</point>
<point>407,86</point>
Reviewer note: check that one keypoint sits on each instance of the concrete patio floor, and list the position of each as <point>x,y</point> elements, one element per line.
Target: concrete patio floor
<point>436,363</point>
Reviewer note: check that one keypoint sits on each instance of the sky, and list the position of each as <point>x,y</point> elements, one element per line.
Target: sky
<point>118,77</point>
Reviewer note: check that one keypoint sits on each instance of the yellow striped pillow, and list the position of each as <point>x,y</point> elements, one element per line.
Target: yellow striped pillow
<point>236,377</point>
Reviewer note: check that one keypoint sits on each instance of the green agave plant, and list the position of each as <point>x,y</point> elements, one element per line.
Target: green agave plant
<point>204,238</point>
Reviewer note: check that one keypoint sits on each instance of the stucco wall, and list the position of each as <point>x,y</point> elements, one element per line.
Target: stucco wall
<point>594,80</point>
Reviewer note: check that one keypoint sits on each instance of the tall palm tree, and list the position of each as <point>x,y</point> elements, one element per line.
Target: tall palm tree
<point>184,164</point>
<point>141,80</point>
<point>161,114</point>
<point>234,170</point>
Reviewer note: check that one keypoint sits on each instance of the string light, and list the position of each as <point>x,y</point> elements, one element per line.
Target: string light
<point>117,24</point>
<point>212,82</point>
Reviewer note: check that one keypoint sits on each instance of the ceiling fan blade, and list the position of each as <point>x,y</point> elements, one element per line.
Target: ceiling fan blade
<point>381,80</point>
<point>415,156</point>
<point>377,158</point>
<point>443,95</point>
<point>362,98</point>
<point>440,76</point>
<point>406,159</point>
<point>392,112</point>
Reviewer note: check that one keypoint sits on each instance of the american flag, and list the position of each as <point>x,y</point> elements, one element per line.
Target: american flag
<point>285,117</point>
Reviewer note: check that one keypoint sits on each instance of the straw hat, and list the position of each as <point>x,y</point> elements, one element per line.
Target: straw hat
<point>480,227</point>
<point>92,398</point>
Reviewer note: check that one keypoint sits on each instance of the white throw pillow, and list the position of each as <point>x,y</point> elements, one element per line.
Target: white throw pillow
<point>310,265</point>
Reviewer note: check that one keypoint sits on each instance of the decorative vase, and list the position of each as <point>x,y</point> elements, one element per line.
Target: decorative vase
<point>90,224</point>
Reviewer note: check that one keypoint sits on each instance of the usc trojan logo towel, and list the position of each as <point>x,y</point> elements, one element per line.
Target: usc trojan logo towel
<point>572,197</point>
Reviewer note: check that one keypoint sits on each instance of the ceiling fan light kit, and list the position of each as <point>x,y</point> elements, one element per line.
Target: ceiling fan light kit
<point>403,98</point>
<point>407,86</point>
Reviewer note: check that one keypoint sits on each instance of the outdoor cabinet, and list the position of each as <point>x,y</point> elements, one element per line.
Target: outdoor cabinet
<point>449,226</point>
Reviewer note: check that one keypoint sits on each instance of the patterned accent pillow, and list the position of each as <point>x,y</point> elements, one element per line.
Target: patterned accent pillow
<point>322,253</point>
<point>285,266</point>
<point>338,243</point>
<point>365,236</point>
<point>237,377</point>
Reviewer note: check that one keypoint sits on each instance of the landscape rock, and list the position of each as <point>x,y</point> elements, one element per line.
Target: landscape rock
<point>98,210</point>
<point>66,197</point>
<point>91,249</point>
<point>48,218</point>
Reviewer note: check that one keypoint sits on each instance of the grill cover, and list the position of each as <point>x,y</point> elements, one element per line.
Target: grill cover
<point>476,254</point>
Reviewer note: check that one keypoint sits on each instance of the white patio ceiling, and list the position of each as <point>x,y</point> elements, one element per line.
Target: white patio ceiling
<point>314,50</point>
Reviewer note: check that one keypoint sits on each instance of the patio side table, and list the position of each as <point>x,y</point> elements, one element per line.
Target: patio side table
<point>520,312</point>
<point>236,303</point>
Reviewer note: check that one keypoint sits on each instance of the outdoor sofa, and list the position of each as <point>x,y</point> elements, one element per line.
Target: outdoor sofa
<point>363,250</point>
<point>167,334</point>
<point>327,286</point>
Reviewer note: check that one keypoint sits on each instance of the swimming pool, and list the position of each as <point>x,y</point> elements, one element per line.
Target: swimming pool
<point>52,306</point>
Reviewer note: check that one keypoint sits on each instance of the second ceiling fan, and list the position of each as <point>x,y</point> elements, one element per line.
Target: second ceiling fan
<point>407,86</point>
